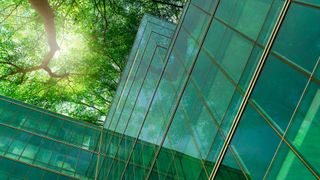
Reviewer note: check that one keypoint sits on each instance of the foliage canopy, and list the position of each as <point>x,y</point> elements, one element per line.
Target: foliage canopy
<point>94,36</point>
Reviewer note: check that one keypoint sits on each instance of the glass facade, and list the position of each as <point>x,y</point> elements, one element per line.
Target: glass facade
<point>238,93</point>
<point>230,92</point>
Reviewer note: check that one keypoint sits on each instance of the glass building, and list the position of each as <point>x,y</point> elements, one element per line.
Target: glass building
<point>230,92</point>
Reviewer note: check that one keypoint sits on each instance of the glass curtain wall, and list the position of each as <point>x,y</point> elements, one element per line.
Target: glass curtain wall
<point>239,87</point>
<point>38,143</point>
<point>231,92</point>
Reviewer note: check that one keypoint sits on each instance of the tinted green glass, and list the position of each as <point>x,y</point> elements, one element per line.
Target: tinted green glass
<point>305,127</point>
<point>246,16</point>
<point>298,39</point>
<point>254,143</point>
<point>233,51</point>
<point>195,23</point>
<point>206,5</point>
<point>230,168</point>
<point>287,165</point>
<point>278,91</point>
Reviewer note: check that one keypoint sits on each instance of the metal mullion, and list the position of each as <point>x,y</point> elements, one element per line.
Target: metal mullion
<point>135,141</point>
<point>36,166</point>
<point>251,86</point>
<point>49,113</point>
<point>134,77</point>
<point>236,84</point>
<point>129,73</point>
<point>136,99</point>
<point>91,159</point>
<point>145,116</point>
<point>184,86</point>
<point>129,91</point>
<point>178,28</point>
<point>36,154</point>
<point>308,166</point>
<point>133,61</point>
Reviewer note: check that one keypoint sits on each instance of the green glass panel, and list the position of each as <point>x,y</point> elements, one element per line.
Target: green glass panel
<point>298,38</point>
<point>228,49</point>
<point>314,3</point>
<point>146,93</point>
<point>270,21</point>
<point>246,16</point>
<point>31,149</point>
<point>231,112</point>
<point>206,5</point>
<point>180,139</point>
<point>10,169</point>
<point>317,73</point>
<point>278,90</point>
<point>287,165</point>
<point>198,120</point>
<point>305,127</point>
<point>249,69</point>
<point>195,23</point>
<point>165,97</point>
<point>18,145</point>
<point>215,149</point>
<point>185,48</point>
<point>254,143</point>
<point>230,168</point>
<point>215,87</point>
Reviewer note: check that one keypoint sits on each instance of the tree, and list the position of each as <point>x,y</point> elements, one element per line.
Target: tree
<point>67,55</point>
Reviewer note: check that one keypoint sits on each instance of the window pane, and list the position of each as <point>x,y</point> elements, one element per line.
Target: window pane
<point>287,165</point>
<point>305,128</point>
<point>246,16</point>
<point>278,90</point>
<point>228,48</point>
<point>298,39</point>
<point>254,143</point>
